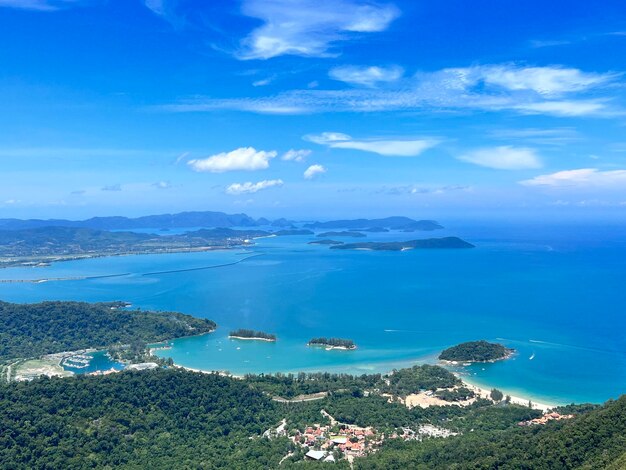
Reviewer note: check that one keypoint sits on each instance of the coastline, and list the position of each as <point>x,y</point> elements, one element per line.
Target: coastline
<point>104,276</point>
<point>484,392</point>
<point>47,261</point>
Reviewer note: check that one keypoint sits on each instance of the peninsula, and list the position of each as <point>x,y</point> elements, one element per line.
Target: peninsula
<point>476,351</point>
<point>333,343</point>
<point>30,330</point>
<point>45,245</point>
<point>426,244</point>
<point>246,334</point>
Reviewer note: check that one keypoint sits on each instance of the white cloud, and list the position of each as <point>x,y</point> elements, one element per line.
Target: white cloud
<point>313,171</point>
<point>388,148</point>
<point>310,27</point>
<point>504,158</point>
<point>296,155</point>
<point>366,76</point>
<point>580,177</point>
<point>554,91</point>
<point>249,187</point>
<point>244,158</point>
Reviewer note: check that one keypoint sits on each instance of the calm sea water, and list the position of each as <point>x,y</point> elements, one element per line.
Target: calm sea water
<point>555,294</point>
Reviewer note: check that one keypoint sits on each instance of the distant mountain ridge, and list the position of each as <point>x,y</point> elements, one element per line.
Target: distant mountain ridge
<point>215,219</point>
<point>180,220</point>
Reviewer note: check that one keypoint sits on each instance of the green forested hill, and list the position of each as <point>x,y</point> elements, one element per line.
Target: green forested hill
<point>177,419</point>
<point>596,440</point>
<point>29,330</point>
<point>157,419</point>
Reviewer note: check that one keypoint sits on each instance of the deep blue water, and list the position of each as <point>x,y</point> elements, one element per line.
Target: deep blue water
<point>555,294</point>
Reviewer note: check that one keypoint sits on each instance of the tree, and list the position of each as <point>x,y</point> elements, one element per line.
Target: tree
<point>496,395</point>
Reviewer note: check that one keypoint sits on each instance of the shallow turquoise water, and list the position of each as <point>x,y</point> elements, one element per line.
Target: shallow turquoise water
<point>553,293</point>
<point>100,361</point>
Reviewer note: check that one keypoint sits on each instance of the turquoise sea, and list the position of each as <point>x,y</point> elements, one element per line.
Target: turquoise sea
<point>554,293</point>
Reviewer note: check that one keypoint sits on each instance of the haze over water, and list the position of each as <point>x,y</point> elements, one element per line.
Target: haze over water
<point>555,294</point>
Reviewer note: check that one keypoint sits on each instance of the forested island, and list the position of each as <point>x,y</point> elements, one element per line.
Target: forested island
<point>404,224</point>
<point>30,330</point>
<point>428,243</point>
<point>243,333</point>
<point>325,242</point>
<point>476,351</point>
<point>341,234</point>
<point>333,343</point>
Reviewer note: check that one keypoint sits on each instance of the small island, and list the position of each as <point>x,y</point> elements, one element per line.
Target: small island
<point>342,234</point>
<point>243,333</point>
<point>425,244</point>
<point>476,351</point>
<point>288,232</point>
<point>325,242</point>
<point>333,343</point>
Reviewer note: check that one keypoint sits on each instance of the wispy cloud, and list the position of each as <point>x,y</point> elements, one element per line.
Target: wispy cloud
<point>555,91</point>
<point>296,155</point>
<point>503,158</point>
<point>249,187</point>
<point>42,5</point>
<point>262,82</point>
<point>112,187</point>
<point>162,185</point>
<point>310,27</point>
<point>183,156</point>
<point>564,108</point>
<point>366,76</point>
<point>580,177</point>
<point>556,136</point>
<point>541,80</point>
<point>244,158</point>
<point>420,189</point>
<point>313,171</point>
<point>388,148</point>
<point>538,43</point>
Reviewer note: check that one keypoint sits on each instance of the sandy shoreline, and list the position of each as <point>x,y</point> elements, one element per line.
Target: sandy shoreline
<point>484,392</point>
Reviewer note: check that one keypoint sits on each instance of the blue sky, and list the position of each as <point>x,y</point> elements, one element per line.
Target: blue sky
<point>312,108</point>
